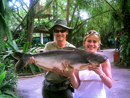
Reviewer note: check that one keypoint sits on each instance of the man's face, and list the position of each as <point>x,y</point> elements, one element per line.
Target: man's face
<point>60,33</point>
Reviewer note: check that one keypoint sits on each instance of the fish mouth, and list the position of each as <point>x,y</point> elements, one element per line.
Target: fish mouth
<point>93,63</point>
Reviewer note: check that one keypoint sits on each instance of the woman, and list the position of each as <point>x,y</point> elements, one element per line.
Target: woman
<point>90,83</point>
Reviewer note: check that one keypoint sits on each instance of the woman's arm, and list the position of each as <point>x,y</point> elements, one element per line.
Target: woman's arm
<point>105,74</point>
<point>107,79</point>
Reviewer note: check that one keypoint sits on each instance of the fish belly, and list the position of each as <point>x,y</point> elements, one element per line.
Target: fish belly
<point>48,63</point>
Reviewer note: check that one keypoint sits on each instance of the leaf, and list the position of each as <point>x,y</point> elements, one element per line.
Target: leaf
<point>33,49</point>
<point>25,48</point>
<point>13,46</point>
<point>128,49</point>
<point>5,85</point>
<point>48,3</point>
<point>32,68</point>
<point>2,76</point>
<point>3,67</point>
<point>5,96</point>
<point>11,93</point>
<point>5,56</point>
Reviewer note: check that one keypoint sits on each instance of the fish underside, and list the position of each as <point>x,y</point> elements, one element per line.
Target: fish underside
<point>78,59</point>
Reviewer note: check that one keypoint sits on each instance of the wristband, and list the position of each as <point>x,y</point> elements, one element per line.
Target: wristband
<point>103,75</point>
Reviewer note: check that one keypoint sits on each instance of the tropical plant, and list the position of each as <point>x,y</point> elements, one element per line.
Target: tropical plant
<point>125,50</point>
<point>4,23</point>
<point>8,80</point>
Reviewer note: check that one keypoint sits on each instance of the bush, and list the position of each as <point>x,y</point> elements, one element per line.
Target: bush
<point>8,79</point>
<point>125,51</point>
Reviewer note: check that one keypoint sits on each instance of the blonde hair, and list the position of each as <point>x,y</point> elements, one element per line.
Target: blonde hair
<point>92,32</point>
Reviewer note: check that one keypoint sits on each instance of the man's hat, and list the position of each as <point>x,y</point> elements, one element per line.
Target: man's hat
<point>60,22</point>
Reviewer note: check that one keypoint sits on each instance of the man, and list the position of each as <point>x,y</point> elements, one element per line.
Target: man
<point>56,85</point>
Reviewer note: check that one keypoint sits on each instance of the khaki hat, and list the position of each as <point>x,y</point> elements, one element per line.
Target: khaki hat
<point>62,23</point>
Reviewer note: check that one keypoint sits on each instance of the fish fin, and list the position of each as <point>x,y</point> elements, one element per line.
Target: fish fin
<point>20,65</point>
<point>18,55</point>
<point>22,60</point>
<point>70,67</point>
<point>44,68</point>
<point>68,48</point>
<point>74,49</point>
<point>83,66</point>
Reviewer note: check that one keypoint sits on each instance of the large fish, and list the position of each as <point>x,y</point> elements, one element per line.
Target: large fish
<point>78,59</point>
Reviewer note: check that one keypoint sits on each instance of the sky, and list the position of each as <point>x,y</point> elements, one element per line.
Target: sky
<point>83,13</point>
<point>17,3</point>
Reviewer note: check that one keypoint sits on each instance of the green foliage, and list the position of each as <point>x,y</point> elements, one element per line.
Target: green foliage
<point>4,23</point>
<point>7,81</point>
<point>21,39</point>
<point>125,50</point>
<point>11,46</point>
<point>25,48</point>
<point>2,75</point>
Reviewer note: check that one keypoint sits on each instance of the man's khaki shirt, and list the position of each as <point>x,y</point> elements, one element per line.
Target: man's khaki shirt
<point>51,76</point>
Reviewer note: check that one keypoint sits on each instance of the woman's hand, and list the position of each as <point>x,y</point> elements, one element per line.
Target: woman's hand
<point>105,73</point>
<point>96,69</point>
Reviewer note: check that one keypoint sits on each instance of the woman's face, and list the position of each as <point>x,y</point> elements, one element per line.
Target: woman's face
<point>91,44</point>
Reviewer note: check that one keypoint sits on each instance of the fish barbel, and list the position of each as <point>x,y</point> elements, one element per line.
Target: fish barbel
<point>78,59</point>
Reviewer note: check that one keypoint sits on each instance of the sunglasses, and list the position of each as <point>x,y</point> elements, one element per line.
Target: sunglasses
<point>57,31</point>
<point>96,33</point>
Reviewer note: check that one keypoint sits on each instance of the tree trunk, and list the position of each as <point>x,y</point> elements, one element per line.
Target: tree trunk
<point>67,19</point>
<point>67,13</point>
<point>30,25</point>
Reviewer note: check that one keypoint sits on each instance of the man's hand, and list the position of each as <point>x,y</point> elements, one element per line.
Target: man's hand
<point>32,60</point>
<point>63,72</point>
<point>57,70</point>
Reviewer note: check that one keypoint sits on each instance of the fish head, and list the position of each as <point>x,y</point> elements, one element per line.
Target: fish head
<point>96,59</point>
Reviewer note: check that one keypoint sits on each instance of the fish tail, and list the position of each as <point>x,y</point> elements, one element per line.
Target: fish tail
<point>22,60</point>
<point>18,55</point>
